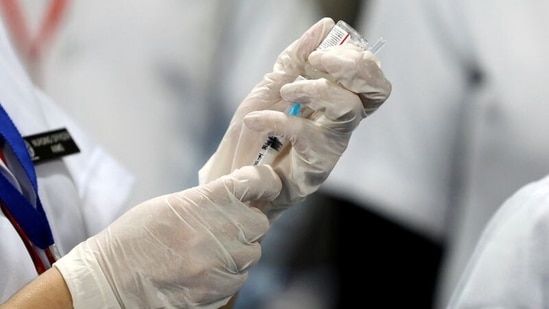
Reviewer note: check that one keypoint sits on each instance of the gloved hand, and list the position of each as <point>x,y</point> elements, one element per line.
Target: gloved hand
<point>189,249</point>
<point>336,106</point>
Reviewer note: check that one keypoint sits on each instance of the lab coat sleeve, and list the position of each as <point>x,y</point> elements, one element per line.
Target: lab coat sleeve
<point>509,268</point>
<point>103,184</point>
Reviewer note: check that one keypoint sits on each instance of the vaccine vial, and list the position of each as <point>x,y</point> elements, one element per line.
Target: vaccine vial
<point>341,33</point>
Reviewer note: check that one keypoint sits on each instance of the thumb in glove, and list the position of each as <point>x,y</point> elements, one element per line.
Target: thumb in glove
<point>334,108</point>
<point>189,249</point>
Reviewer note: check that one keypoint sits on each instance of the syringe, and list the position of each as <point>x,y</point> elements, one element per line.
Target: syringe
<point>340,33</point>
<point>273,144</point>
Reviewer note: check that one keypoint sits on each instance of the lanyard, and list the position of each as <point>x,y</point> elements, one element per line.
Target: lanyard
<point>31,218</point>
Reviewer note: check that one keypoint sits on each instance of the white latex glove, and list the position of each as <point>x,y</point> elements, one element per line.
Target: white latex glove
<point>318,139</point>
<point>510,266</point>
<point>189,249</point>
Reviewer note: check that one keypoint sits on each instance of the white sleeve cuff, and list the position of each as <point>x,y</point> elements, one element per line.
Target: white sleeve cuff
<point>87,284</point>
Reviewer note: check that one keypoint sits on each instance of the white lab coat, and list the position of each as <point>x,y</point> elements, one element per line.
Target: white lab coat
<point>510,266</point>
<point>466,124</point>
<point>136,74</point>
<point>81,193</point>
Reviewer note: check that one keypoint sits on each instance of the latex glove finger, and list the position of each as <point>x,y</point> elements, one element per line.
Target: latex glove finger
<point>188,249</point>
<point>308,138</point>
<point>316,144</point>
<point>232,154</point>
<point>355,69</point>
<point>238,225</point>
<point>319,96</point>
<point>305,164</point>
<point>288,66</point>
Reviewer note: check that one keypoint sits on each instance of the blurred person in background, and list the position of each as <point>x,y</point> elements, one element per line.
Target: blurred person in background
<point>508,268</point>
<point>462,132</point>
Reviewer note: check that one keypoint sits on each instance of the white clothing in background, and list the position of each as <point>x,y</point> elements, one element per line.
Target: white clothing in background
<point>510,266</point>
<point>81,193</point>
<point>465,125</point>
<point>136,74</point>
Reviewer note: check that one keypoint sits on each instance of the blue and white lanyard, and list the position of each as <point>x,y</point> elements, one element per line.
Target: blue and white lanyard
<point>31,218</point>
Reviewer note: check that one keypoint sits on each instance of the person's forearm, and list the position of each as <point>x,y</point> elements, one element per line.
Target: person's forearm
<point>47,291</point>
